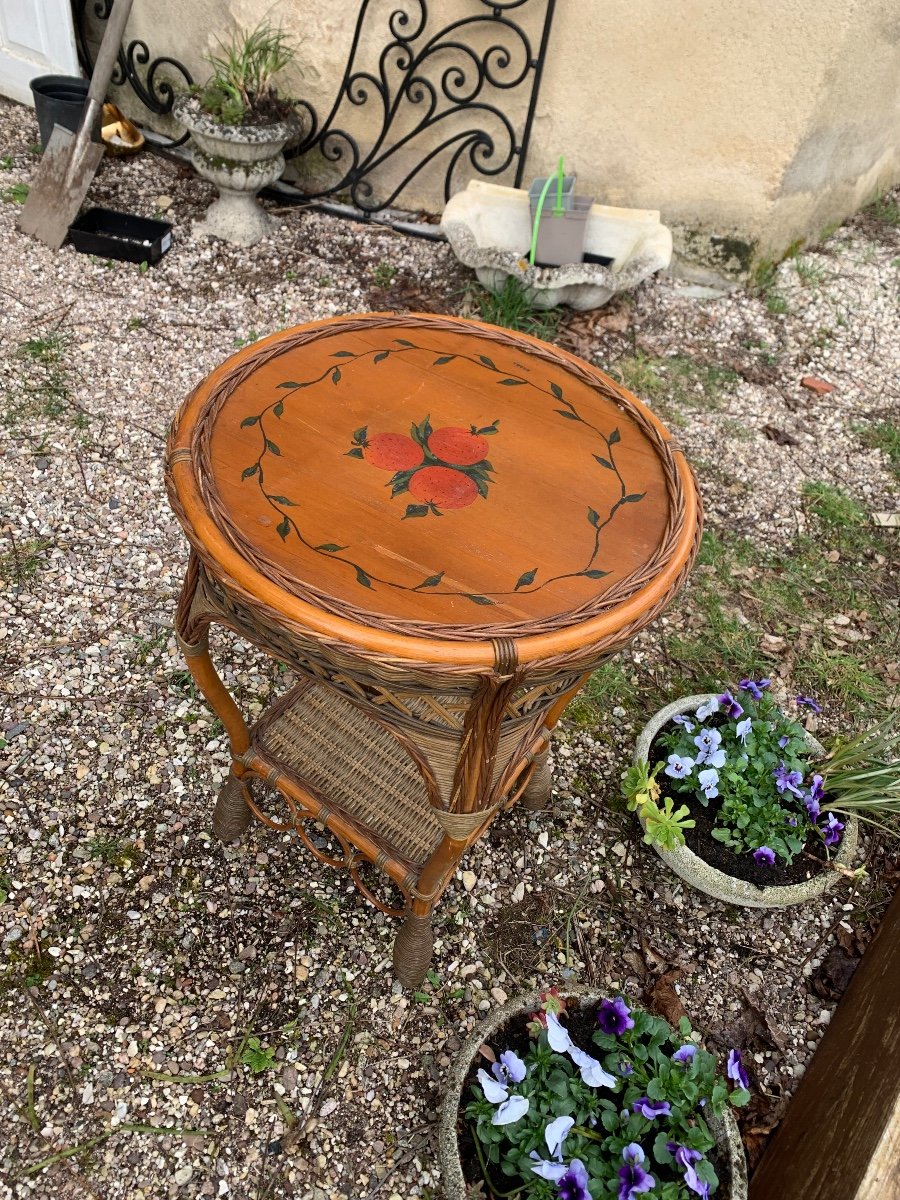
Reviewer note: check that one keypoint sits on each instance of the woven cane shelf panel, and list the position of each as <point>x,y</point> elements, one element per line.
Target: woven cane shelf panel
<point>433,477</point>
<point>317,738</point>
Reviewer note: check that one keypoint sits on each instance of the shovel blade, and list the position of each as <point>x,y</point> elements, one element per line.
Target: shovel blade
<point>66,169</point>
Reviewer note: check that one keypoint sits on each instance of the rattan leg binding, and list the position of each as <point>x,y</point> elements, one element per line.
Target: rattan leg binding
<point>232,815</point>
<point>537,794</point>
<point>413,948</point>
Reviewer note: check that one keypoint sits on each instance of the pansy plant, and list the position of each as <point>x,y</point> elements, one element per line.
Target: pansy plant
<point>615,1112</point>
<point>741,756</point>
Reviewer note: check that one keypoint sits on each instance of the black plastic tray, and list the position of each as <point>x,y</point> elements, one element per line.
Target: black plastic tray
<point>111,234</point>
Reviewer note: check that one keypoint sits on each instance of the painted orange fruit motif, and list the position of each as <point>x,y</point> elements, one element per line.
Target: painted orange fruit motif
<point>459,447</point>
<point>442,468</point>
<point>393,452</point>
<point>443,487</point>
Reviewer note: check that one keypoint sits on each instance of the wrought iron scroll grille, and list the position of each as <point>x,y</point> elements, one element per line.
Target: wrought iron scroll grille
<point>421,96</point>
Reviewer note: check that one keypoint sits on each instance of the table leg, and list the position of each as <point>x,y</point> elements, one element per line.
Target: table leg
<point>413,948</point>
<point>537,793</point>
<point>232,815</point>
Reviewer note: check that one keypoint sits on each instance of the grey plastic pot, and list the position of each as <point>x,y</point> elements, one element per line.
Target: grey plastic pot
<point>534,192</point>
<point>705,878</point>
<point>560,237</point>
<point>733,1161</point>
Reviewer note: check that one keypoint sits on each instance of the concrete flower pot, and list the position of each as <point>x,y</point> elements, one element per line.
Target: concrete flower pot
<point>489,229</point>
<point>240,160</point>
<point>733,1161</point>
<point>699,874</point>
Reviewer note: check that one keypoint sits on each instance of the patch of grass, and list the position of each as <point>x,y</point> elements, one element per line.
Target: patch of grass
<point>251,337</point>
<point>777,304</point>
<point>148,650</point>
<point>608,686</point>
<point>738,598</point>
<point>886,210</point>
<point>885,436</point>
<point>513,308</point>
<point>115,852</point>
<point>678,381</point>
<point>809,272</point>
<point>16,193</point>
<point>22,562</point>
<point>6,162</point>
<point>384,274</point>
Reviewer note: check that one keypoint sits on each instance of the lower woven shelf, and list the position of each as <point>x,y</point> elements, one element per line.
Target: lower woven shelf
<point>320,741</point>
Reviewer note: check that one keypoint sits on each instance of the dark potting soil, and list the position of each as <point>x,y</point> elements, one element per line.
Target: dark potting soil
<point>581,1023</point>
<point>809,862</point>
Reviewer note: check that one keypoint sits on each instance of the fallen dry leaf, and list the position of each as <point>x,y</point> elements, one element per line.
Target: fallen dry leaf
<point>832,977</point>
<point>779,436</point>
<point>663,998</point>
<point>758,1120</point>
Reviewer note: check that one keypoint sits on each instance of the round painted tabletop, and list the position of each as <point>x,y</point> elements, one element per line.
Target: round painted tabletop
<point>433,477</point>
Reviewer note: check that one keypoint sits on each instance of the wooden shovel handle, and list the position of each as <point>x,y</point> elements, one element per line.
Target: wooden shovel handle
<point>109,49</point>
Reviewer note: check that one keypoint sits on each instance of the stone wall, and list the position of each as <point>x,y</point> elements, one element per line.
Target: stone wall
<point>750,125</point>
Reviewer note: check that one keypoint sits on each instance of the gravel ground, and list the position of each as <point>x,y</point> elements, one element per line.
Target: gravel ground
<point>141,957</point>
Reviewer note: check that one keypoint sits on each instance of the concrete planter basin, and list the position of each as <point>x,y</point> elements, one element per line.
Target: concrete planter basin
<point>732,1159</point>
<point>489,230</point>
<point>240,160</point>
<point>699,874</point>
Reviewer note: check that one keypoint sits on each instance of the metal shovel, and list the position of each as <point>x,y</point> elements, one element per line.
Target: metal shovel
<point>70,160</point>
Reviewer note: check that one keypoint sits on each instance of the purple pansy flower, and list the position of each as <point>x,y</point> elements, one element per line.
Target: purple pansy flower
<point>812,806</point>
<point>685,1054</point>
<point>633,1179</point>
<point>709,749</point>
<point>614,1017</point>
<point>742,729</point>
<point>783,740</point>
<point>651,1109</point>
<point>792,821</point>
<point>730,707</point>
<point>764,855</point>
<point>734,1069</point>
<point>625,1068</point>
<point>708,781</point>
<point>708,708</point>
<point>510,1068</point>
<point>685,722</point>
<point>685,1158</point>
<point>808,702</point>
<point>573,1185</point>
<point>754,687</point>
<point>832,830</point>
<point>787,781</point>
<point>679,766</point>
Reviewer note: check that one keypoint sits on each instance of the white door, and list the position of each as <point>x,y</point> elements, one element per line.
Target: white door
<point>36,38</point>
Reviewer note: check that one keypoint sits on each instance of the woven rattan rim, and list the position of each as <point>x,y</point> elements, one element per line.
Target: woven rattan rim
<point>673,555</point>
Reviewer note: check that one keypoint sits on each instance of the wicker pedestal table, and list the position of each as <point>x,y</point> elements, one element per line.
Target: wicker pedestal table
<point>441,528</point>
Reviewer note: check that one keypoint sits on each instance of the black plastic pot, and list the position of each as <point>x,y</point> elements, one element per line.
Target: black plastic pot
<point>59,100</point>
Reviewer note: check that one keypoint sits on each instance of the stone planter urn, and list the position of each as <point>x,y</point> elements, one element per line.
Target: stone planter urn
<point>732,1160</point>
<point>240,160</point>
<point>699,874</point>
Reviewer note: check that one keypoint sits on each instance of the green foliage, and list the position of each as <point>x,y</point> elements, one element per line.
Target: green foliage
<point>664,825</point>
<point>886,210</point>
<point>885,436</point>
<point>384,274</point>
<point>751,810</point>
<point>257,1057</point>
<point>862,775</point>
<point>6,162</point>
<point>641,1067</point>
<point>16,193</point>
<point>243,74</point>
<point>513,307</point>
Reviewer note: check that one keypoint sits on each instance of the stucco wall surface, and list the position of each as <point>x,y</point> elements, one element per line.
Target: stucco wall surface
<point>750,126</point>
